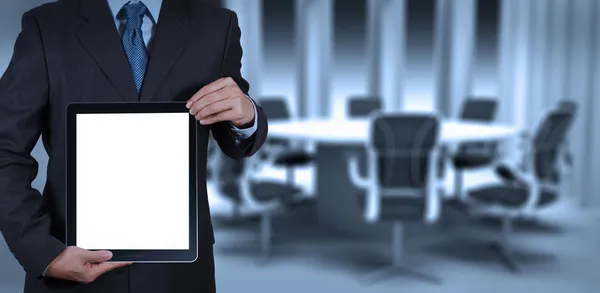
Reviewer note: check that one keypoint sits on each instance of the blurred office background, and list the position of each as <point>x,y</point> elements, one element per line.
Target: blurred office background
<point>499,194</point>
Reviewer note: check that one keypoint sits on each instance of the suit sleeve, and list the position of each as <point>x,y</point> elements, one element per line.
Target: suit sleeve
<point>231,67</point>
<point>24,222</point>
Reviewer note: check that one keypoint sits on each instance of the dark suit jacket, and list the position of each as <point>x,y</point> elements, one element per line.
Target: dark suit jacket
<point>70,51</point>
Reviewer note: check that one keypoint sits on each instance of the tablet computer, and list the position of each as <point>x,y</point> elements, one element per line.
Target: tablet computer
<point>132,180</point>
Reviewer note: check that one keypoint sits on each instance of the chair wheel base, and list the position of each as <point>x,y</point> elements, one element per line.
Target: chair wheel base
<point>506,256</point>
<point>391,271</point>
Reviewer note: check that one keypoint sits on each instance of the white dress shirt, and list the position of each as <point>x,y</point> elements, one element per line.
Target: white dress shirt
<point>148,29</point>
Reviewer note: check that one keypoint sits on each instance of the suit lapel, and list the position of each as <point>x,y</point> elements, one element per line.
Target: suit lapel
<point>101,39</point>
<point>170,38</point>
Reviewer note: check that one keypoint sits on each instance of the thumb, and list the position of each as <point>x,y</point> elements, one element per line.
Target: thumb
<point>97,256</point>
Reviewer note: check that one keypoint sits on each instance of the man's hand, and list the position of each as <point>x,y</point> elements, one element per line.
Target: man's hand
<point>219,101</point>
<point>80,265</point>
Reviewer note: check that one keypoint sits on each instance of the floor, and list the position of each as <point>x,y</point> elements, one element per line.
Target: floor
<point>561,255</point>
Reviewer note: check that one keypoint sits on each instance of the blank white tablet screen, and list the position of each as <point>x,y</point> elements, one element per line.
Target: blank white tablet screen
<point>133,181</point>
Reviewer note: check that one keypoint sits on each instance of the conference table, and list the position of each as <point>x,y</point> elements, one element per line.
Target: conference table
<point>336,197</point>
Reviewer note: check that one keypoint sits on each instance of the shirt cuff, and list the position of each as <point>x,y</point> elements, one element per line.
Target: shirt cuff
<point>241,134</point>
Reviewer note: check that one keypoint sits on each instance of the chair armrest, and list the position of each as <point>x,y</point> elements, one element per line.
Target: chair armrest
<point>525,174</point>
<point>433,200</point>
<point>509,173</point>
<point>356,177</point>
<point>372,210</point>
<point>245,185</point>
<point>528,178</point>
<point>533,198</point>
<point>246,192</point>
<point>439,158</point>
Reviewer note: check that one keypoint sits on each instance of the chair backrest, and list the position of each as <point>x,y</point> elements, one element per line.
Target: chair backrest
<point>275,108</point>
<point>547,143</point>
<point>402,145</point>
<point>567,106</point>
<point>479,109</point>
<point>362,107</point>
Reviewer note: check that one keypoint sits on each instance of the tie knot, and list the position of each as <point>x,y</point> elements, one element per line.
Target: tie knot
<point>134,13</point>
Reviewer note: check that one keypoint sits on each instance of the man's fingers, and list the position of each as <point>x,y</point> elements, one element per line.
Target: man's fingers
<point>212,87</point>
<point>207,100</point>
<point>214,108</point>
<point>229,115</point>
<point>96,256</point>
<point>109,266</point>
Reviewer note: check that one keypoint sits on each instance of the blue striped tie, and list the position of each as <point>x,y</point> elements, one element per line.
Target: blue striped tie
<point>133,41</point>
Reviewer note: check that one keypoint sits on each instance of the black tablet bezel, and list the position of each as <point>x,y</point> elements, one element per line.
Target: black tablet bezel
<point>154,256</point>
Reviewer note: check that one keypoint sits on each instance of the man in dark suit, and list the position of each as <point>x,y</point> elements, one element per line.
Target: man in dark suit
<point>113,51</point>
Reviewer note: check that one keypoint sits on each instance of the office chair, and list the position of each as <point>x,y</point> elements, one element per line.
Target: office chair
<point>251,197</point>
<point>402,183</point>
<point>565,164</point>
<point>363,106</point>
<point>279,152</point>
<point>521,194</point>
<point>474,155</point>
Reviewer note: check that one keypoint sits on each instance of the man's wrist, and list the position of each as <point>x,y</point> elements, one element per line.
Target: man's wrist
<point>248,129</point>
<point>247,125</point>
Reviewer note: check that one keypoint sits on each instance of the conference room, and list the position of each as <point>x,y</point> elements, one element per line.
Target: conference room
<point>459,132</point>
<point>414,145</point>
